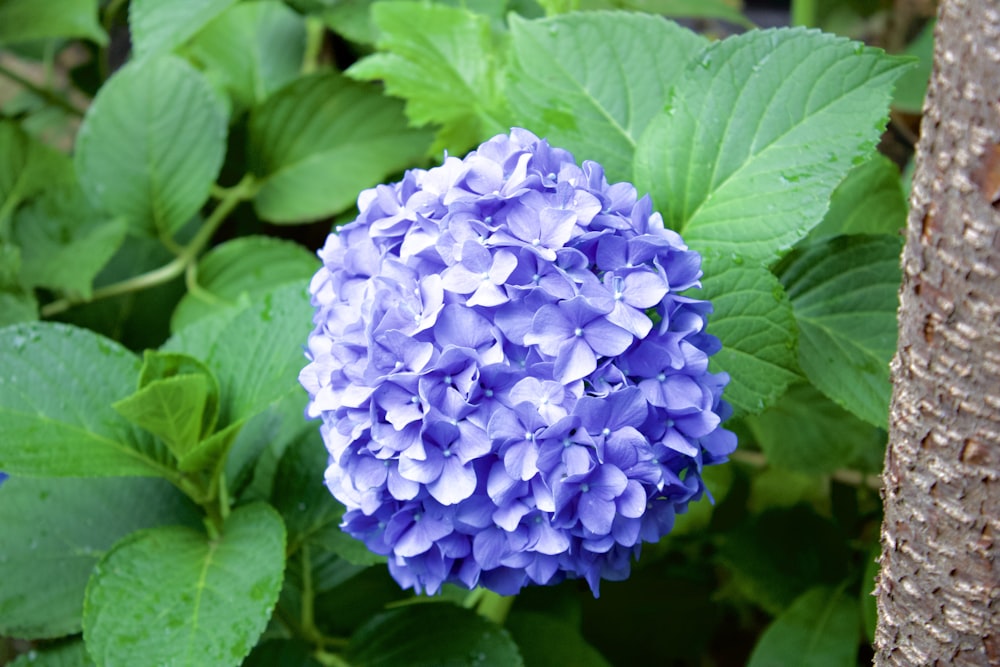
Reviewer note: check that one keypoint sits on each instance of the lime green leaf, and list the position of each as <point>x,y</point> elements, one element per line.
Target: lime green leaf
<point>845,295</point>
<point>56,391</point>
<point>819,629</point>
<point>757,134</point>
<point>28,20</point>
<point>431,634</point>
<point>157,27</point>
<point>544,640</point>
<point>912,86</point>
<point>444,62</point>
<point>249,265</point>
<point>152,144</point>
<point>65,241</point>
<point>258,355</point>
<point>253,48</point>
<point>54,532</point>
<point>807,432</point>
<point>753,320</point>
<point>66,655</point>
<point>322,139</point>
<point>27,167</point>
<point>869,201</point>
<point>171,408</point>
<point>581,81</point>
<point>203,602</point>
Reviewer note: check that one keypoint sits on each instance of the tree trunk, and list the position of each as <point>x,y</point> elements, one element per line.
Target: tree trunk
<point>939,587</point>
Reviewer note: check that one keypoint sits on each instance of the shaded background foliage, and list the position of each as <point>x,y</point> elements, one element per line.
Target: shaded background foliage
<point>181,213</point>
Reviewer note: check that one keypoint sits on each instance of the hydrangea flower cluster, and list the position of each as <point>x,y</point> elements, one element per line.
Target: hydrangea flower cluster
<point>512,390</point>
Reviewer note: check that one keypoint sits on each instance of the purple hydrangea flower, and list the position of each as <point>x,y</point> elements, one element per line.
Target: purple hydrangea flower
<point>511,387</point>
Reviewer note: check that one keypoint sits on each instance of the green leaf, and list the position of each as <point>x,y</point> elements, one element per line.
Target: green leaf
<point>845,295</point>
<point>54,532</point>
<point>65,241</point>
<point>55,406</point>
<point>544,640</point>
<point>778,555</point>
<point>807,432</point>
<point>29,20</point>
<point>162,365</point>
<point>16,306</point>
<point>203,602</point>
<point>912,86</point>
<point>869,201</point>
<point>253,49</point>
<point>325,124</point>
<point>283,652</point>
<point>198,338</point>
<point>66,655</point>
<point>431,634</point>
<point>27,167</point>
<point>258,355</point>
<point>444,61</point>
<point>152,143</point>
<point>171,409</point>
<point>819,629</point>
<point>249,265</point>
<point>757,134</point>
<point>157,27</point>
<point>753,319</point>
<point>591,82</point>
<point>708,9</point>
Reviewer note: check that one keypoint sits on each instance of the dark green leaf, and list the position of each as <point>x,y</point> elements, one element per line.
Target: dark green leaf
<point>581,81</point>
<point>203,602</point>
<point>157,27</point>
<point>426,635</point>
<point>845,295</point>
<point>56,392</point>
<point>819,629</point>
<point>320,140</point>
<point>249,265</point>
<point>65,241</point>
<point>757,134</point>
<point>807,432</point>
<point>152,143</point>
<point>27,167</point>
<point>258,354</point>
<point>544,641</point>
<point>869,201</point>
<point>445,63</point>
<point>67,655</point>
<point>912,86</point>
<point>282,653</point>
<point>28,20</point>
<point>753,319</point>
<point>54,532</point>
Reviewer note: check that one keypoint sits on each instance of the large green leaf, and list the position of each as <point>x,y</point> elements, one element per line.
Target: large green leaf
<point>28,20</point>
<point>753,319</point>
<point>445,62</point>
<point>65,241</point>
<point>54,532</point>
<point>173,596</point>
<point>869,201</point>
<point>583,82</point>
<point>320,140</point>
<point>544,640</point>
<point>157,27</point>
<point>252,49</point>
<point>819,629</point>
<point>845,294</point>
<point>56,390</point>
<point>152,143</point>
<point>807,432</point>
<point>258,354</point>
<point>427,635</point>
<point>757,134</point>
<point>247,266</point>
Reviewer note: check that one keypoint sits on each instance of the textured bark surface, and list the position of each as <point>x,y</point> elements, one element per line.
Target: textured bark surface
<point>939,588</point>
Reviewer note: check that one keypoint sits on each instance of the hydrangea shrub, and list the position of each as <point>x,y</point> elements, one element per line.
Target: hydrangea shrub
<point>512,388</point>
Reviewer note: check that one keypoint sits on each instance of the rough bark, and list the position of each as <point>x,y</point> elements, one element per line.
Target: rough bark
<point>939,587</point>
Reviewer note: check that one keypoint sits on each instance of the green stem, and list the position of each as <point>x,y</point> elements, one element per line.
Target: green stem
<point>494,606</point>
<point>315,30</point>
<point>241,191</point>
<point>805,13</point>
<point>44,93</point>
